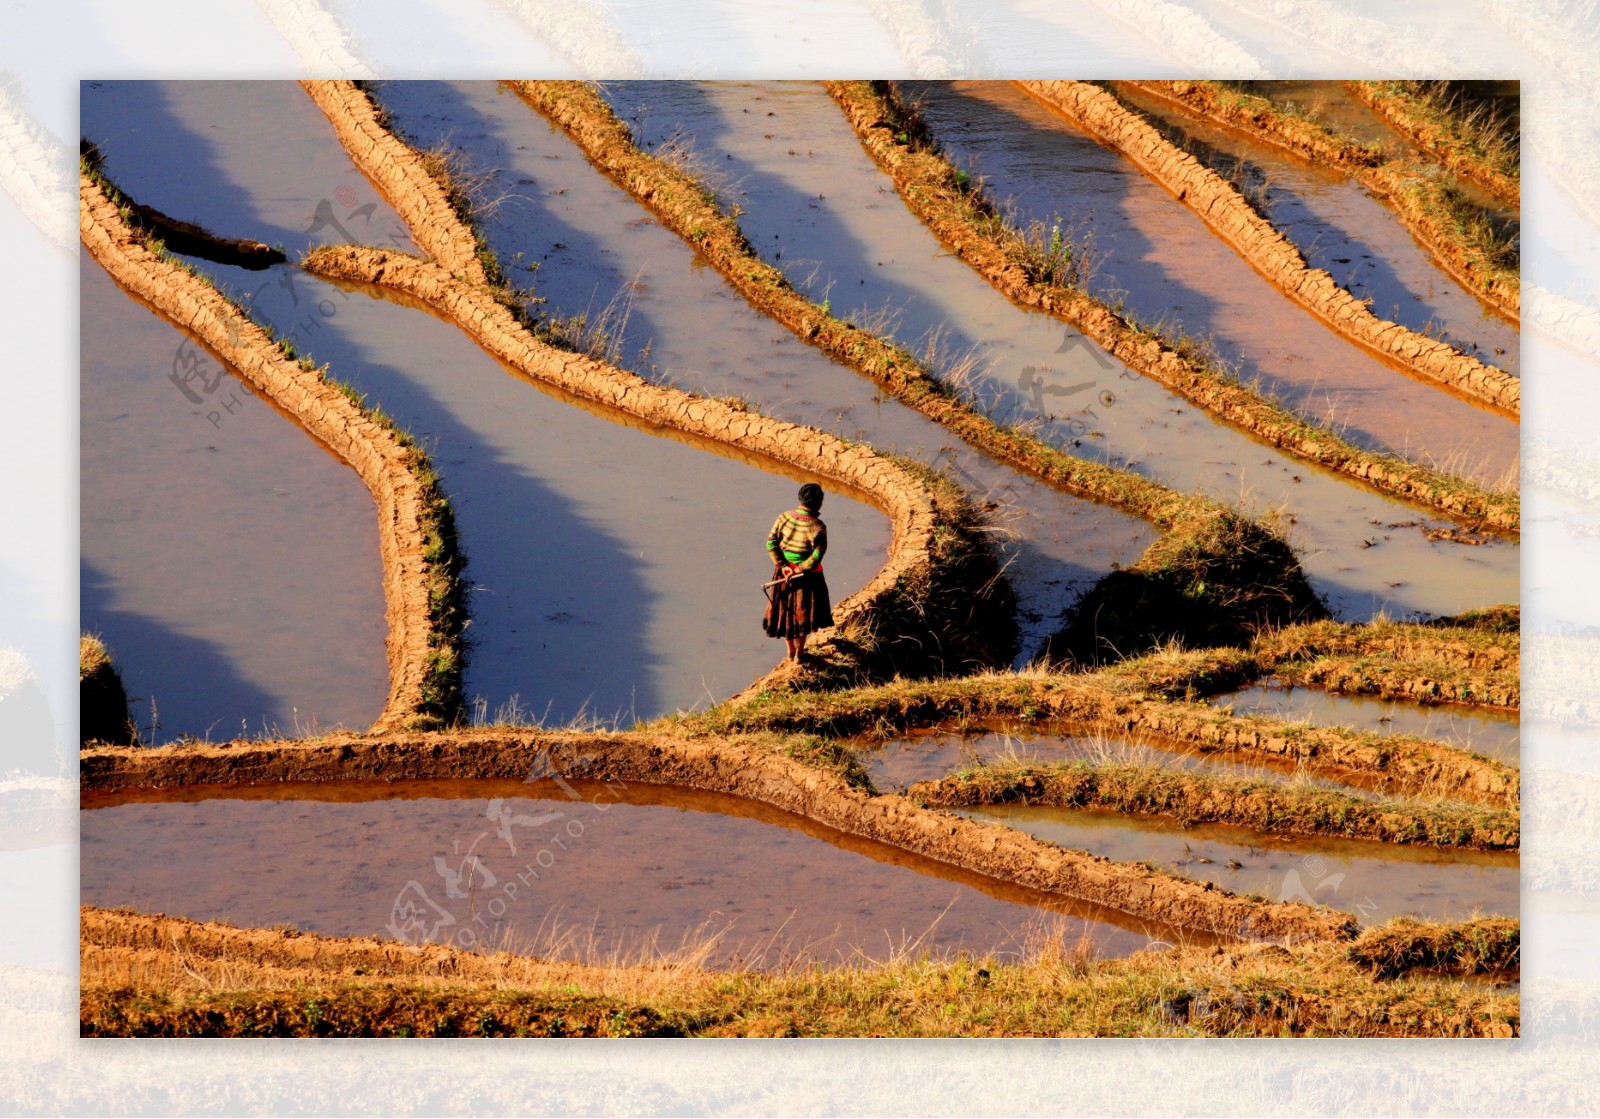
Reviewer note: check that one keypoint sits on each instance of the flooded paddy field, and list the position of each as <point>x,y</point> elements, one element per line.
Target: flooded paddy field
<point>228,559</point>
<point>579,570</point>
<point>1341,228</point>
<point>604,562</point>
<point>1334,105</point>
<point>1496,734</point>
<point>588,248</point>
<point>1373,880</point>
<point>258,160</point>
<point>620,870</point>
<point>613,566</point>
<point>815,205</point>
<point>1162,261</point>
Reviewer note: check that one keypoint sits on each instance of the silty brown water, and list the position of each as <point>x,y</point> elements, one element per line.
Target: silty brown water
<point>1161,259</point>
<point>228,559</point>
<point>815,205</point>
<point>1484,731</point>
<point>1375,881</point>
<point>1338,226</point>
<point>583,871</point>
<point>1333,104</point>
<point>582,242</point>
<point>612,574</point>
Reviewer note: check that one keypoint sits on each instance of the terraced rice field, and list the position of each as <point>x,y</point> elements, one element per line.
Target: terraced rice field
<point>579,351</point>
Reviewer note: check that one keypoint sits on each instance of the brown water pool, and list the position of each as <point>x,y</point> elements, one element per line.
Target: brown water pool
<point>229,560</point>
<point>1484,731</point>
<point>613,869</point>
<point>1375,881</point>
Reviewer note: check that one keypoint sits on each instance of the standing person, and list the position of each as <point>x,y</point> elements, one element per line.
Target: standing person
<point>798,604</point>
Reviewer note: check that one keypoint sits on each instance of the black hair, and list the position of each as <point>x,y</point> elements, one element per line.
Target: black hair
<point>811,495</point>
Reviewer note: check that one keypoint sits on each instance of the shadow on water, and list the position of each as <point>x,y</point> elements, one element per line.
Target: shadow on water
<point>624,602</point>
<point>230,560</point>
<point>1339,227</point>
<point>578,239</point>
<point>178,683</point>
<point>556,599</point>
<point>612,572</point>
<point>254,156</point>
<point>1168,266</point>
<point>816,206</point>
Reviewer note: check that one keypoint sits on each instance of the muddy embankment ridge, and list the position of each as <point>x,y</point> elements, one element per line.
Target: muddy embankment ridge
<point>1204,543</point>
<point>1201,798</point>
<point>185,237</point>
<point>737,769</point>
<point>1413,196</point>
<point>963,219</point>
<point>1220,205</point>
<point>170,976</point>
<point>1417,663</point>
<point>1095,705</point>
<point>1458,664</point>
<point>1487,946</point>
<point>688,208</point>
<point>1399,108</point>
<point>396,170</point>
<point>912,510</point>
<point>932,583</point>
<point>420,634</point>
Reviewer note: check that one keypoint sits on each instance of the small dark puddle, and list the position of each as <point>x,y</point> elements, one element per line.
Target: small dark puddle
<point>612,870</point>
<point>930,755</point>
<point>1375,881</point>
<point>1494,733</point>
<point>229,560</point>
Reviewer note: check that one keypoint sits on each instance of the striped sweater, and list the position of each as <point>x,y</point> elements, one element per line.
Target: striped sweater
<point>798,537</point>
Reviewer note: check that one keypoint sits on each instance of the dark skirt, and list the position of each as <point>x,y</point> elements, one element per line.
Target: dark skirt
<point>798,608</point>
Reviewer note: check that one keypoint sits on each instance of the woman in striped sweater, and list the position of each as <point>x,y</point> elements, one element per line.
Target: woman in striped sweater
<point>798,604</point>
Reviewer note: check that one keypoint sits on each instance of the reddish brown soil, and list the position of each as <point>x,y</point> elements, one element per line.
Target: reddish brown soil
<point>1268,251</point>
<point>372,450</point>
<point>927,183</point>
<point>1386,179</point>
<point>401,175</point>
<point>1197,798</point>
<point>734,767</point>
<point>1437,142</point>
